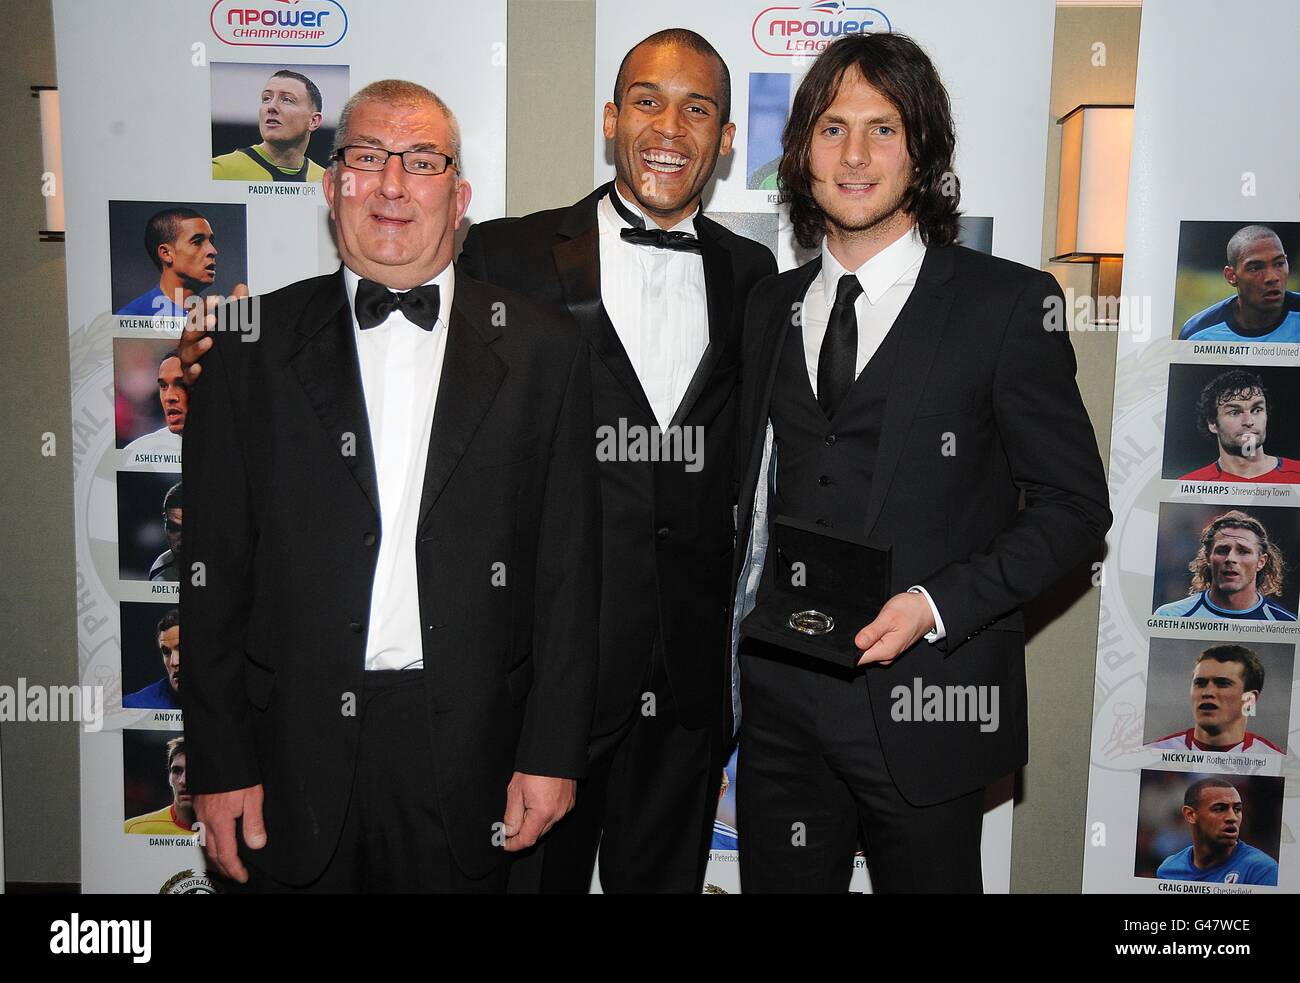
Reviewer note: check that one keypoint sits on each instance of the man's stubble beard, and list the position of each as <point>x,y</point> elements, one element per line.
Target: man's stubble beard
<point>838,228</point>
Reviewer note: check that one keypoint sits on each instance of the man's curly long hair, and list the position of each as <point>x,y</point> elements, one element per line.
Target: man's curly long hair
<point>896,66</point>
<point>1269,579</point>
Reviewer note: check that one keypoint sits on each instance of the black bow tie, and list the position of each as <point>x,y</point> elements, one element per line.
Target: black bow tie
<point>375,302</point>
<point>639,235</point>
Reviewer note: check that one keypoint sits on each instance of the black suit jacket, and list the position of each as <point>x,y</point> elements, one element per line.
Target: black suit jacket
<point>982,407</point>
<point>667,532</point>
<point>283,516</point>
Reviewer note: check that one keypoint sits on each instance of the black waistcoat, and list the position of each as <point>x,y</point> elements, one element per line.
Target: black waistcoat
<point>824,467</point>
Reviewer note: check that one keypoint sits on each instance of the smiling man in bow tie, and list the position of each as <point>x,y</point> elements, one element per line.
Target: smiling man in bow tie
<point>658,289</point>
<point>391,559</point>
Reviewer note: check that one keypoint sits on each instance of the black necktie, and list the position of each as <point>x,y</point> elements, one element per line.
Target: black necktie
<point>839,354</point>
<point>375,302</point>
<point>639,235</point>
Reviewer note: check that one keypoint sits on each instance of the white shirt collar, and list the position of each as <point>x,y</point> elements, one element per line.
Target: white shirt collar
<point>446,281</point>
<point>880,272</point>
<point>685,225</point>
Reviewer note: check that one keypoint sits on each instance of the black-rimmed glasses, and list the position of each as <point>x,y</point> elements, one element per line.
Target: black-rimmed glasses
<point>363,158</point>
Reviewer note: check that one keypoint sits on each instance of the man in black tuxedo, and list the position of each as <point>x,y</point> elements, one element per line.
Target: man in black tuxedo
<point>391,557</point>
<point>658,290</point>
<point>905,392</point>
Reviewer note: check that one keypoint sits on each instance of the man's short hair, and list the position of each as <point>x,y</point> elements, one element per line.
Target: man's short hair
<point>164,227</point>
<point>1268,581</point>
<point>1192,797</point>
<point>171,619</point>
<point>1246,237</point>
<point>397,92</point>
<point>1252,669</point>
<point>689,40</point>
<point>897,66</point>
<point>174,747</point>
<point>1233,384</point>
<point>313,93</point>
<point>172,500</point>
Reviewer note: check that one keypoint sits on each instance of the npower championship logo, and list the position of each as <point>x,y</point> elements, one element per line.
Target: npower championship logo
<point>279,23</point>
<point>789,31</point>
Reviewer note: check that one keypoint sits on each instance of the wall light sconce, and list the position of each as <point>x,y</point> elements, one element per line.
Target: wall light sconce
<point>52,163</point>
<point>1096,142</point>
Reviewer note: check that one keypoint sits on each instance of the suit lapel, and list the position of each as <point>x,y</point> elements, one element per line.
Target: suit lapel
<point>920,326</point>
<point>720,292</point>
<point>577,263</point>
<point>329,372</point>
<point>471,376</point>
<point>781,319</point>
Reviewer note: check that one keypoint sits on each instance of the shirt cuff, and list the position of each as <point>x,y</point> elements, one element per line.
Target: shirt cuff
<point>937,633</point>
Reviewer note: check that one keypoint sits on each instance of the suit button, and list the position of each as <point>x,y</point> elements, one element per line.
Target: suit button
<point>824,522</point>
<point>370,539</point>
<point>830,440</point>
<point>355,626</point>
<point>825,480</point>
<point>662,533</point>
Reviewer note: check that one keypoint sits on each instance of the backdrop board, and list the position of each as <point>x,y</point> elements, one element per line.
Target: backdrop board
<point>995,59</point>
<point>1195,705</point>
<point>174,179</point>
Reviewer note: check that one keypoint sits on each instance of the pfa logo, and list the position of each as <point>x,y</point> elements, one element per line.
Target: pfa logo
<point>789,31</point>
<point>190,882</point>
<point>279,23</point>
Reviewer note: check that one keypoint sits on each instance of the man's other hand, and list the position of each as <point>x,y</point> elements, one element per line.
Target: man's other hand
<point>201,319</point>
<point>218,812</point>
<point>534,804</point>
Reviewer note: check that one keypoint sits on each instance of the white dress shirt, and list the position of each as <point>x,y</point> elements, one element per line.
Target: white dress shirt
<point>887,279</point>
<point>401,366</point>
<point>657,302</point>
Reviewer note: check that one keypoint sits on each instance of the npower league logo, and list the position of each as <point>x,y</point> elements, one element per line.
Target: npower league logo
<point>280,23</point>
<point>788,31</point>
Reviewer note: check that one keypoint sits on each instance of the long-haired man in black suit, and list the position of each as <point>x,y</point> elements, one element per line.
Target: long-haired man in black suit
<point>904,392</point>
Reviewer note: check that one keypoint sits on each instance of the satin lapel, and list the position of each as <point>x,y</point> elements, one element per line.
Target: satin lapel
<point>920,325</point>
<point>720,291</point>
<point>471,376</point>
<point>577,263</point>
<point>329,372</point>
